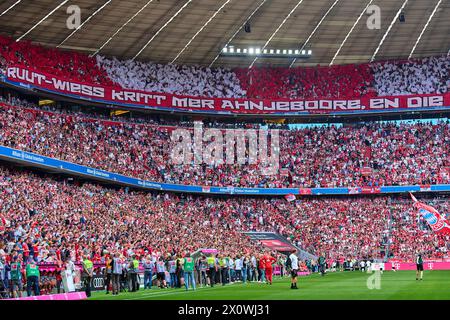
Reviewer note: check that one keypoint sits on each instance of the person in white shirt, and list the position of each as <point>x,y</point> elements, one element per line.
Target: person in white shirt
<point>368,264</point>
<point>362,266</point>
<point>294,269</point>
<point>2,274</point>
<point>253,269</point>
<point>238,269</point>
<point>231,271</point>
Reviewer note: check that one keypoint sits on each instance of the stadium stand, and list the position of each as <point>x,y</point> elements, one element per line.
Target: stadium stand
<point>347,81</point>
<point>169,78</point>
<point>48,216</point>
<point>71,65</point>
<point>428,75</point>
<point>370,154</point>
<point>53,218</point>
<point>421,76</point>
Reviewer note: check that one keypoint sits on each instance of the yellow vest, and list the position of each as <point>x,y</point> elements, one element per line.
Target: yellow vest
<point>88,264</point>
<point>210,261</point>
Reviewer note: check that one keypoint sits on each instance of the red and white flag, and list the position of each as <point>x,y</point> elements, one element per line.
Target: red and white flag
<point>290,197</point>
<point>435,220</point>
<point>354,190</point>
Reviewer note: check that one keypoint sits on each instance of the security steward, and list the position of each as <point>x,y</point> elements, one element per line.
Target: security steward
<point>87,274</point>
<point>32,274</point>
<point>134,268</point>
<point>212,269</point>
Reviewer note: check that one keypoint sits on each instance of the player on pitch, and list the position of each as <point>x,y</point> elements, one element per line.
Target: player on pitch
<point>294,269</point>
<point>419,265</point>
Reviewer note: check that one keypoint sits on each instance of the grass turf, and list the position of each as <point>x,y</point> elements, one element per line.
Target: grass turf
<point>401,285</point>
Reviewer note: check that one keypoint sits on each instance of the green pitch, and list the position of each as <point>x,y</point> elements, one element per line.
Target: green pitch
<point>340,285</point>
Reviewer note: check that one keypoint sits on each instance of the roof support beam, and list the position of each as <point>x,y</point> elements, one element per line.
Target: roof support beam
<point>387,31</point>
<point>349,32</point>
<point>42,20</point>
<point>162,28</point>
<point>424,28</point>
<point>315,29</point>
<point>276,30</point>
<point>239,29</point>
<point>121,27</point>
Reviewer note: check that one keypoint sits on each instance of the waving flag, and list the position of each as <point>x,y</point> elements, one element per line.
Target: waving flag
<point>290,197</point>
<point>414,198</point>
<point>437,222</point>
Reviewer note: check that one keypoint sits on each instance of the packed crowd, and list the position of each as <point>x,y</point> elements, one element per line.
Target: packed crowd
<point>43,221</point>
<point>185,271</point>
<point>71,65</point>
<point>405,228</point>
<point>427,75</point>
<point>46,220</point>
<point>418,76</point>
<point>371,154</point>
<point>170,78</point>
<point>346,81</point>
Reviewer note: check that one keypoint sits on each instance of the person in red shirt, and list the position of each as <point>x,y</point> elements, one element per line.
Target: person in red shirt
<point>77,253</point>
<point>26,251</point>
<point>268,261</point>
<point>262,268</point>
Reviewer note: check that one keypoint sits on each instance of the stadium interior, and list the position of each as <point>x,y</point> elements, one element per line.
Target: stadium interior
<point>84,176</point>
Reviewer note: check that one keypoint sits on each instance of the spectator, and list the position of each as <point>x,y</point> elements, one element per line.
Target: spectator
<point>170,78</point>
<point>88,269</point>
<point>148,272</point>
<point>189,271</point>
<point>32,278</point>
<point>116,273</point>
<point>419,76</point>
